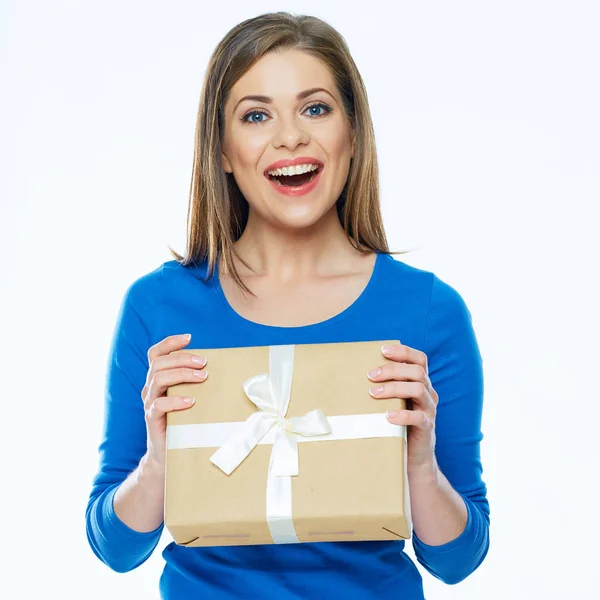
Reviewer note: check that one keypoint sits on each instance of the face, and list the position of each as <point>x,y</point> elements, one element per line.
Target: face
<point>259,133</point>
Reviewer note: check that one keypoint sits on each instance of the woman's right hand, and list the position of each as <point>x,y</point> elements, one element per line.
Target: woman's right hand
<point>165,370</point>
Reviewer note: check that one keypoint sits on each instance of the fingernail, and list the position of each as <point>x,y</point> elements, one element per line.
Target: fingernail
<point>374,373</point>
<point>388,349</point>
<point>186,336</point>
<point>376,390</point>
<point>199,360</point>
<point>390,414</point>
<point>200,374</point>
<point>189,400</point>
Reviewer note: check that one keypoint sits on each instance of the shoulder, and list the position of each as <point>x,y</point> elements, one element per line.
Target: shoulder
<point>404,278</point>
<point>396,266</point>
<point>445,321</point>
<point>142,294</point>
<point>149,292</point>
<point>170,273</point>
<point>439,302</point>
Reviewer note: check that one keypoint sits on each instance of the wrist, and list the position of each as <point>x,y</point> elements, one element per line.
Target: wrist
<point>151,471</point>
<point>427,472</point>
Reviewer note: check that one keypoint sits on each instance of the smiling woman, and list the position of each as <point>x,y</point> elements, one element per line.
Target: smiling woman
<point>294,116</point>
<point>286,85</point>
<point>286,246</point>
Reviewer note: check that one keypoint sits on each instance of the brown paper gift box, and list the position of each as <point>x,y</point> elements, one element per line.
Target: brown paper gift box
<point>346,490</point>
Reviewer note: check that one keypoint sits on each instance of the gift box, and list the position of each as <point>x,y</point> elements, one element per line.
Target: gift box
<point>284,444</point>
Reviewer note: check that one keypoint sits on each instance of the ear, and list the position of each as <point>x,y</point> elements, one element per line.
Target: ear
<point>225,163</point>
<point>353,143</point>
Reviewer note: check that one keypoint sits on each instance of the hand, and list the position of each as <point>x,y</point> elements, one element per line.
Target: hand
<point>408,378</point>
<point>165,370</point>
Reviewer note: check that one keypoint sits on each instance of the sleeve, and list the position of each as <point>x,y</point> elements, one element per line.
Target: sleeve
<point>124,436</point>
<point>456,374</point>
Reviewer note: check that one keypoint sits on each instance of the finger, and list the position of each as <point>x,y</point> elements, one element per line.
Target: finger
<point>165,379</point>
<point>399,372</point>
<point>166,404</point>
<point>413,390</point>
<point>168,344</point>
<point>172,361</point>
<point>401,353</point>
<point>403,372</point>
<point>417,418</point>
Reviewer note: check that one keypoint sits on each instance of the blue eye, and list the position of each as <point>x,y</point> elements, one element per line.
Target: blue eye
<point>325,107</point>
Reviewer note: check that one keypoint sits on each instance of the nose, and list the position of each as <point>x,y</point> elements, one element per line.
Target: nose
<point>290,133</point>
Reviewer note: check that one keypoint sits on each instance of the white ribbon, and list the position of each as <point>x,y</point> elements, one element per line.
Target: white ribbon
<point>271,394</point>
<point>343,427</point>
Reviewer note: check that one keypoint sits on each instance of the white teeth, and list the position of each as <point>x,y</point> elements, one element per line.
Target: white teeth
<point>281,184</point>
<point>297,170</point>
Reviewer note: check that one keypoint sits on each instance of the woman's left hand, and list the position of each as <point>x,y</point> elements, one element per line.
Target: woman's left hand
<point>408,378</point>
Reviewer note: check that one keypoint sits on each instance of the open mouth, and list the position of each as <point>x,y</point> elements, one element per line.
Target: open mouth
<point>294,180</point>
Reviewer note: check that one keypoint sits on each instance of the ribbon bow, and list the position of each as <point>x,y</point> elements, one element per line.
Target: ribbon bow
<point>271,395</point>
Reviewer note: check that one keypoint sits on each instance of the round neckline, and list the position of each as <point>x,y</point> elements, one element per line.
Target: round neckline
<point>348,311</point>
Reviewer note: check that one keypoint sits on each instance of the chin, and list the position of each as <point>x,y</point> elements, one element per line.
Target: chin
<point>300,217</point>
<point>296,224</point>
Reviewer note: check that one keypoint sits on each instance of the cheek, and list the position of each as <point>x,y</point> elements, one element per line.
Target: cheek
<point>245,150</point>
<point>250,147</point>
<point>335,140</point>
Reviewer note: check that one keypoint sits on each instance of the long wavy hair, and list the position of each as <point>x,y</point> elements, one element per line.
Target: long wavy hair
<point>217,210</point>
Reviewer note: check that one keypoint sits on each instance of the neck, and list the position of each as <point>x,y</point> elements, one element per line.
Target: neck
<point>289,255</point>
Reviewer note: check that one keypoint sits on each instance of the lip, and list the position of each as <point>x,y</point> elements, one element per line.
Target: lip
<point>292,162</point>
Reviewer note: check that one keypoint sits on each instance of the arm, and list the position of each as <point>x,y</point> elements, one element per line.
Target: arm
<point>455,538</point>
<point>124,440</point>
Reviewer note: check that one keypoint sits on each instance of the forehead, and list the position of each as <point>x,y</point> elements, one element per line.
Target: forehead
<point>281,75</point>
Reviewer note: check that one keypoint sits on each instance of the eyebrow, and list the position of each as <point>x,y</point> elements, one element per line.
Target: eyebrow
<point>269,100</point>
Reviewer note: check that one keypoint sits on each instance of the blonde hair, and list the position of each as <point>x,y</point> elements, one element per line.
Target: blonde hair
<point>217,211</point>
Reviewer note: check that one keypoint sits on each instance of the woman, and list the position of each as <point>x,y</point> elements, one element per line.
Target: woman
<point>281,258</point>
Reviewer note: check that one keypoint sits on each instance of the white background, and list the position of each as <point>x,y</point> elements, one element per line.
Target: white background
<point>488,130</point>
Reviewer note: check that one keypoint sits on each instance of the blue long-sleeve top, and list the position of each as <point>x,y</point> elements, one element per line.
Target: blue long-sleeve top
<point>399,302</point>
